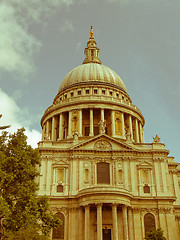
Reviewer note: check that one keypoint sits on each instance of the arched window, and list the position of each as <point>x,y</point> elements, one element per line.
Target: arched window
<point>103,174</point>
<point>149,222</point>
<point>58,233</point>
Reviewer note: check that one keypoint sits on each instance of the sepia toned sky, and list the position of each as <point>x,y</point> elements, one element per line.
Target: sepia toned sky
<point>42,40</point>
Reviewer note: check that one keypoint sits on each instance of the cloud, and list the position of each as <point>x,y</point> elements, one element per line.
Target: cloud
<point>16,117</point>
<point>66,26</point>
<point>17,45</point>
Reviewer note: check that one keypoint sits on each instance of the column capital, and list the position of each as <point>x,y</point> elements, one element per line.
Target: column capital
<point>99,204</point>
<point>114,205</point>
<point>86,206</point>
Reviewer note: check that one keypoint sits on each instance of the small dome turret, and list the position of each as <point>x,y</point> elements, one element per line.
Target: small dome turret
<point>91,51</point>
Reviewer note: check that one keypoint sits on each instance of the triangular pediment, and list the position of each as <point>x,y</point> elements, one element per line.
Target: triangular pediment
<point>144,164</point>
<point>59,162</point>
<point>104,142</point>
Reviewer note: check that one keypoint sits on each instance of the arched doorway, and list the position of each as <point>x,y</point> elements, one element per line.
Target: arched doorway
<point>149,222</point>
<point>58,233</point>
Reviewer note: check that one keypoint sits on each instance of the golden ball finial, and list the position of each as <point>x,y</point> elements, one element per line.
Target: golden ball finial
<point>91,32</point>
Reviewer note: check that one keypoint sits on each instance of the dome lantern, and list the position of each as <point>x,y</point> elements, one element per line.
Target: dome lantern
<point>91,51</point>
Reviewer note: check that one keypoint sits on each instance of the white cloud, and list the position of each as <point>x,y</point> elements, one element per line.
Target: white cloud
<point>66,26</point>
<point>17,45</point>
<point>16,117</point>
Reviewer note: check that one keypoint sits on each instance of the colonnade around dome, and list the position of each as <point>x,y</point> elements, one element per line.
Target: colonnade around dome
<point>91,122</point>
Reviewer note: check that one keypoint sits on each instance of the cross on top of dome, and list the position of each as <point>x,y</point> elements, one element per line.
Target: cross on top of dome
<point>91,51</point>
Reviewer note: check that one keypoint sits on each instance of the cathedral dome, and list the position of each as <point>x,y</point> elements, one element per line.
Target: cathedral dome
<point>92,73</point>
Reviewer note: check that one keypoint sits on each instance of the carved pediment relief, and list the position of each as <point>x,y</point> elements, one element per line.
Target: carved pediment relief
<point>102,145</point>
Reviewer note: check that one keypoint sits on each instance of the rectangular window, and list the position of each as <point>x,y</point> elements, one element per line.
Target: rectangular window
<point>72,94</point>
<point>95,91</point>
<point>87,91</point>
<point>103,92</point>
<point>79,92</point>
<point>103,173</point>
<point>59,188</point>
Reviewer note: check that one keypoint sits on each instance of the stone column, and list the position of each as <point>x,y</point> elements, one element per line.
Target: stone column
<point>137,130</point>
<point>112,123</point>
<point>141,133</point>
<point>87,222</point>
<point>91,132</point>
<point>123,129</point>
<point>54,181</point>
<point>48,130</point>
<point>130,127</point>
<point>99,221</point>
<point>171,224</point>
<point>61,126</point>
<point>176,186</point>
<point>125,222</point>
<point>80,123</point>
<point>53,129</point>
<point>80,223</point>
<point>158,188</point>
<point>164,178</point>
<point>132,172</point>
<point>102,115</point>
<point>115,224</point>
<point>162,219</point>
<point>69,125</point>
<point>130,224</point>
<point>43,132</point>
<point>48,176</point>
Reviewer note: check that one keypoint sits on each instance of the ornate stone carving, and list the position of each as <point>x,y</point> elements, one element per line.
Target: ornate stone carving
<point>102,127</point>
<point>102,145</point>
<point>75,136</point>
<point>156,139</point>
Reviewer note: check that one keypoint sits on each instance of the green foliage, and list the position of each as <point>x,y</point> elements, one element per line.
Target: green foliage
<point>26,234</point>
<point>155,235</point>
<point>19,204</point>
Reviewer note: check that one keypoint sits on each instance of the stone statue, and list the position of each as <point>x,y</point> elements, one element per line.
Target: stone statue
<point>102,126</point>
<point>156,139</point>
<point>75,136</point>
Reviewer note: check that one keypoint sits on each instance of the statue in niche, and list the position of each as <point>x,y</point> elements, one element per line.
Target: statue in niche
<point>102,126</point>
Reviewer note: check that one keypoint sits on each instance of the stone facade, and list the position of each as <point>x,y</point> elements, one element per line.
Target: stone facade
<point>103,180</point>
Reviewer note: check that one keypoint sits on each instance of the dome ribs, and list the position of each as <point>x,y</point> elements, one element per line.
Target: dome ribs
<point>92,72</point>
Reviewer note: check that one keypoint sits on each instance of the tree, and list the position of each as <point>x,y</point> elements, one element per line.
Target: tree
<point>20,206</point>
<point>155,235</point>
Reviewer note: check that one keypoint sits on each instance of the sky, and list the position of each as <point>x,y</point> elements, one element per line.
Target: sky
<point>42,40</point>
